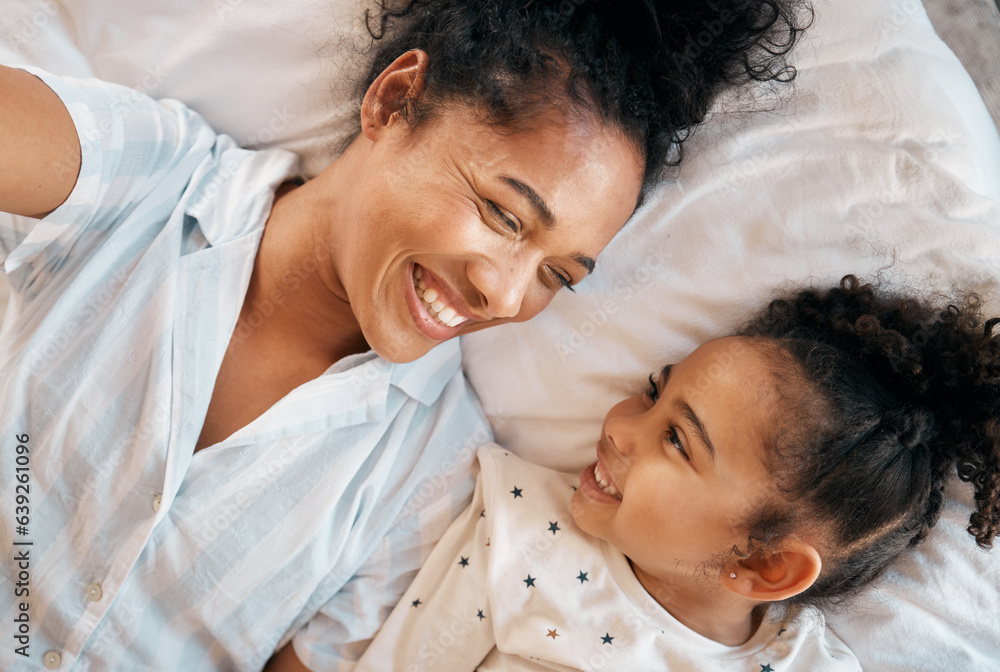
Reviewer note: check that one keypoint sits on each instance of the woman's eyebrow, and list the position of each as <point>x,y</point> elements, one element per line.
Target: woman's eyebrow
<point>536,201</point>
<point>586,262</point>
<point>545,215</point>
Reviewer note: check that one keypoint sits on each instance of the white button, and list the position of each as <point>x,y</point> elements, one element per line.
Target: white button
<point>156,503</point>
<point>94,592</point>
<point>51,660</point>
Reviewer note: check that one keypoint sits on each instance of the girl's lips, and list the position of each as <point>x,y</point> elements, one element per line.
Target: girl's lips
<point>592,489</point>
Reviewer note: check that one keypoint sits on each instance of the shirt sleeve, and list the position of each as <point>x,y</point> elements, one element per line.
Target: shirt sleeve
<point>132,147</point>
<point>442,621</point>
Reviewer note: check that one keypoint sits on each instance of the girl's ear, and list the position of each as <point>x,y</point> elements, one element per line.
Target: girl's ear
<point>774,576</point>
<point>397,86</point>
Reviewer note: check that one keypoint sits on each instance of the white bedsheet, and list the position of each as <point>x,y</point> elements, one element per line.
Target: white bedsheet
<point>884,162</point>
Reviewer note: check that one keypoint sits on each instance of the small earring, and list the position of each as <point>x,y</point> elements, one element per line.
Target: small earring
<point>732,575</point>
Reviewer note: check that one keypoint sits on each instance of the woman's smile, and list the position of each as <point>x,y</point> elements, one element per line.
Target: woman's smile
<point>437,309</point>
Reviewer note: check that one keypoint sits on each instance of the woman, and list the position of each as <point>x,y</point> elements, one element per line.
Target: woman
<point>235,426</point>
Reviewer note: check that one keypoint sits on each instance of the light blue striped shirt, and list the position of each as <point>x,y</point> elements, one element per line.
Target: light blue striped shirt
<point>138,553</point>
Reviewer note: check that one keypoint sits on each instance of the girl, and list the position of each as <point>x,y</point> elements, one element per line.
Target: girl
<point>768,472</point>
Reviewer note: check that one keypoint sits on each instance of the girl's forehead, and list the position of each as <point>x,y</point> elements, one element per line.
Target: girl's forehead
<point>733,386</point>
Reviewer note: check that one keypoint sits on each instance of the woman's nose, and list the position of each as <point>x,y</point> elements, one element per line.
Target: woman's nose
<point>503,282</point>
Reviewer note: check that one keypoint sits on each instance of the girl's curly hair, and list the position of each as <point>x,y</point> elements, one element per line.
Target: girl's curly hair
<point>891,394</point>
<point>651,68</point>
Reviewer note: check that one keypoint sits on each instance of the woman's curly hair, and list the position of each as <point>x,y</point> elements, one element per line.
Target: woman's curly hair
<point>651,68</point>
<point>890,395</point>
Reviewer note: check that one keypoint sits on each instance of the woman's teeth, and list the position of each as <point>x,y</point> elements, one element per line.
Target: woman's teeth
<point>434,302</point>
<point>605,482</point>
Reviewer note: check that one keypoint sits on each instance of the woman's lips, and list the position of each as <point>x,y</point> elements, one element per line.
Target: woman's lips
<point>424,313</point>
<point>435,302</point>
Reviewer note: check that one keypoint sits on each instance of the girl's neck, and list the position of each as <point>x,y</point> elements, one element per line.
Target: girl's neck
<point>717,614</point>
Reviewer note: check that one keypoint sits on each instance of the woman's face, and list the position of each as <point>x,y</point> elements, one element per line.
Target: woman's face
<point>458,225</point>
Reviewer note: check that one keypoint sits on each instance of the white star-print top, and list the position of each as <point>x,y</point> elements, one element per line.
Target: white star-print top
<point>514,584</point>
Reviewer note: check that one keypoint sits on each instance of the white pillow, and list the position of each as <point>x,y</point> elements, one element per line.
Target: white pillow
<point>884,161</point>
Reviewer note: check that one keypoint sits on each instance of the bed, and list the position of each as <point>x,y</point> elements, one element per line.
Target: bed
<point>883,161</point>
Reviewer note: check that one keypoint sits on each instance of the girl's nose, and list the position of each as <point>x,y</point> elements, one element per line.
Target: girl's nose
<point>621,431</point>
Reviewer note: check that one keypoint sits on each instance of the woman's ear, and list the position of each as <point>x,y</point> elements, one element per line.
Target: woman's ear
<point>774,576</point>
<point>399,85</point>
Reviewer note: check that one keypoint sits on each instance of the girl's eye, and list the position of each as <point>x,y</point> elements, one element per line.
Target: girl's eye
<point>675,439</point>
<point>653,392</point>
<point>504,217</point>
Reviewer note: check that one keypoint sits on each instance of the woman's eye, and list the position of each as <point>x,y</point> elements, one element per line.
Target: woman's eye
<point>562,278</point>
<point>675,439</point>
<point>504,217</point>
<point>653,392</point>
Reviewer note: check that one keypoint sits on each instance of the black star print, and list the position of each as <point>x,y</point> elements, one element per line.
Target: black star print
<point>417,602</point>
<point>482,514</point>
<point>766,668</point>
<point>464,562</point>
<point>516,492</point>
<point>553,527</point>
<point>782,631</point>
<point>607,638</point>
<point>530,581</point>
<point>582,576</point>
<point>479,613</point>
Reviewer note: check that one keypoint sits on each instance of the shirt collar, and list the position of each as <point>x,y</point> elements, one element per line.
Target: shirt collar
<point>425,378</point>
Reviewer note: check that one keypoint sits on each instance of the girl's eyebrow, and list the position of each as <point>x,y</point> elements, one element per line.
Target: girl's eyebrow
<point>699,428</point>
<point>665,373</point>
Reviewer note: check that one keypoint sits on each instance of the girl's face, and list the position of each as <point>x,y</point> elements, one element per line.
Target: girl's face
<point>682,463</point>
<point>458,225</point>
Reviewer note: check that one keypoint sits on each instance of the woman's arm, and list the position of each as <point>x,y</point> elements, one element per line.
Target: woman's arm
<point>285,660</point>
<point>39,146</point>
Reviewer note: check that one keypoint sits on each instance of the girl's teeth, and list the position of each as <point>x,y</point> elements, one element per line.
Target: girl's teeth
<point>606,486</point>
